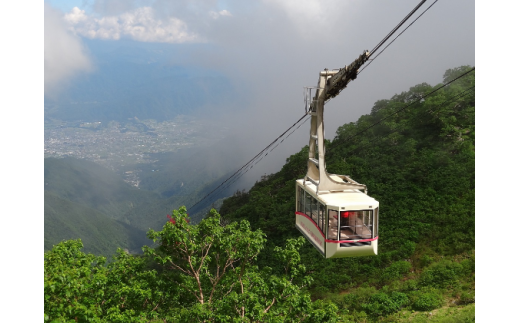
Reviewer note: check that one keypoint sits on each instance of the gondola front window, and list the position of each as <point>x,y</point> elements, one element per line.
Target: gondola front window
<point>356,225</point>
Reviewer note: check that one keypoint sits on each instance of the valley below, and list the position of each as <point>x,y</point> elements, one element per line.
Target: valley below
<point>126,146</point>
<point>108,183</point>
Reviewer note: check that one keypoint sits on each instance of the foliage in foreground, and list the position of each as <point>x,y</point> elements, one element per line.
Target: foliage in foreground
<point>199,273</point>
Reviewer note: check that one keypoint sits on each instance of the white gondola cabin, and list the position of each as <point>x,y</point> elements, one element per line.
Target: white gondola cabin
<point>333,212</point>
<point>340,224</point>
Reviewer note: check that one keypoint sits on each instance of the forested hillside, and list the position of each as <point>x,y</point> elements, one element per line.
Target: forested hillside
<point>416,154</point>
<point>418,161</point>
<point>89,184</point>
<point>101,235</point>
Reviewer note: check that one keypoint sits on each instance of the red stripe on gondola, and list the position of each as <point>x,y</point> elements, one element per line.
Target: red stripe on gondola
<point>305,215</point>
<point>333,241</point>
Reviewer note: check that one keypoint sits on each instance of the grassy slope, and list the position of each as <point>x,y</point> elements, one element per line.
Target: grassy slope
<point>92,185</point>
<point>84,200</point>
<point>101,235</point>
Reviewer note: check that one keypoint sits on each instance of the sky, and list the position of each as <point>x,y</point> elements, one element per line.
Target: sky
<point>274,49</point>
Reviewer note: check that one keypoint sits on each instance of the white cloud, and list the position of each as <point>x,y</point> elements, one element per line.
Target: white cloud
<point>221,13</point>
<point>312,17</point>
<point>64,54</point>
<point>139,24</point>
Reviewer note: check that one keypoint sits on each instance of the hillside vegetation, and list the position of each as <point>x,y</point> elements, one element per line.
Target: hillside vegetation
<point>65,220</point>
<point>87,201</point>
<point>418,161</point>
<point>416,154</point>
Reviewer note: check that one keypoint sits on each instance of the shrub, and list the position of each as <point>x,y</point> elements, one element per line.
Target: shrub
<point>468,266</point>
<point>396,271</point>
<point>359,296</point>
<point>406,249</point>
<point>441,274</point>
<point>425,260</point>
<point>427,301</point>
<point>409,285</point>
<point>382,304</point>
<point>467,298</point>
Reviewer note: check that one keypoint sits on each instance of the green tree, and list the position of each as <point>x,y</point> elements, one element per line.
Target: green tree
<point>73,283</point>
<point>79,287</point>
<point>214,267</point>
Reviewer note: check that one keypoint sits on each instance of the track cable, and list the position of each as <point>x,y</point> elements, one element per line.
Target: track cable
<point>390,35</point>
<point>377,47</point>
<point>431,110</point>
<point>407,106</point>
<point>249,165</point>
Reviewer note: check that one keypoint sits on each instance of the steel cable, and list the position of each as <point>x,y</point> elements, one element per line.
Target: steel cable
<point>248,164</point>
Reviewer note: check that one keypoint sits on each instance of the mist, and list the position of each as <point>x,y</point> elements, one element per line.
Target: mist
<point>64,54</point>
<point>270,50</point>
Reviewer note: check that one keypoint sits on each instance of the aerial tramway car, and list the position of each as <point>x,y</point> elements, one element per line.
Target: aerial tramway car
<point>339,224</point>
<point>334,212</point>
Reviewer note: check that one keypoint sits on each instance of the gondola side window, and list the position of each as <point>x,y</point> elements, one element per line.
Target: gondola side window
<point>311,207</point>
<point>376,222</point>
<point>308,203</point>
<point>314,210</point>
<point>301,200</point>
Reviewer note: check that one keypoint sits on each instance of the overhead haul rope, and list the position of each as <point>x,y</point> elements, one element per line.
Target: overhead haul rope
<point>390,35</point>
<point>248,165</point>
<point>400,24</point>
<point>460,94</point>
<point>433,109</point>
<point>248,168</point>
<point>407,106</point>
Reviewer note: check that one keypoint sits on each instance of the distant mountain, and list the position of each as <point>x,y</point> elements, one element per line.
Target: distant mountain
<point>91,185</point>
<point>133,80</point>
<point>85,200</point>
<point>66,220</point>
<point>184,177</point>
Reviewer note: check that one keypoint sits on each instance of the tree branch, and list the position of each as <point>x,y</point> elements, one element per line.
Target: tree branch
<point>196,275</point>
<point>269,307</point>
<point>175,266</point>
